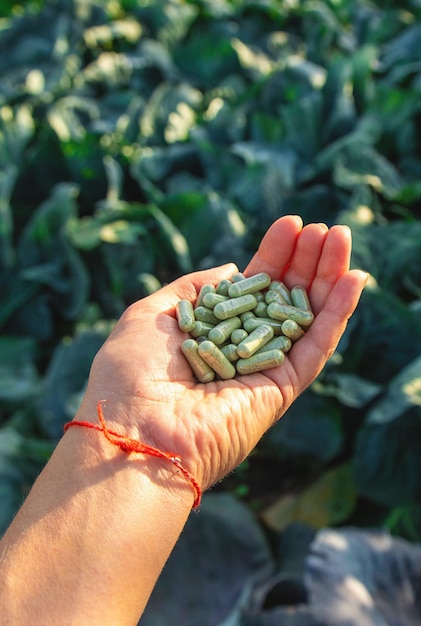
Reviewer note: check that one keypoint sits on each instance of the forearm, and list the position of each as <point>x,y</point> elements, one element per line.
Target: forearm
<point>92,536</point>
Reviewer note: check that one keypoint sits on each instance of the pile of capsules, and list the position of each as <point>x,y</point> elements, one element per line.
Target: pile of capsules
<point>242,326</point>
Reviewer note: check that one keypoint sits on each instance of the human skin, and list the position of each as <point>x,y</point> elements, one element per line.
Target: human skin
<point>95,531</point>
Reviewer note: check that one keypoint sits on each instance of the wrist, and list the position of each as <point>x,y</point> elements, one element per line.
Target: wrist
<point>134,447</point>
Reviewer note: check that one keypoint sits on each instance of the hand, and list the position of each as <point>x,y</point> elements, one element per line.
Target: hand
<point>151,392</point>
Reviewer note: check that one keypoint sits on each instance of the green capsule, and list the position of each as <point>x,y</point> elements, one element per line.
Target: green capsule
<point>222,287</point>
<point>246,316</point>
<point>283,312</point>
<point>300,298</point>
<point>237,277</point>
<point>210,300</point>
<point>260,310</point>
<point>238,335</point>
<point>203,291</point>
<point>280,342</point>
<point>235,306</point>
<point>216,360</point>
<point>185,315</point>
<point>203,372</point>
<point>291,329</point>
<point>249,285</point>
<point>230,351</point>
<point>280,287</point>
<point>260,361</point>
<point>222,331</point>
<point>256,339</point>
<point>201,328</point>
<point>203,314</point>
<point>255,322</point>
<point>272,295</point>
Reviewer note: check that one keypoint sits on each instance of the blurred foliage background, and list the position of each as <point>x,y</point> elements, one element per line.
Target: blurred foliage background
<point>142,139</point>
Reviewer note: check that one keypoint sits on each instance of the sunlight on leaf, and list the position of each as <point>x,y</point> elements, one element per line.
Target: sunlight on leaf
<point>327,501</point>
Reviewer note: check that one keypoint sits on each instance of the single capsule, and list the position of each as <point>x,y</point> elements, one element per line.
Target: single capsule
<point>249,285</point>
<point>216,360</point>
<point>300,298</point>
<point>203,291</point>
<point>238,335</point>
<point>256,339</point>
<point>237,277</point>
<point>201,328</point>
<point>234,306</point>
<point>210,300</point>
<point>230,351</point>
<point>246,316</point>
<point>255,322</point>
<point>272,295</point>
<point>283,312</point>
<point>260,296</point>
<point>203,372</point>
<point>261,309</point>
<point>260,361</point>
<point>280,287</point>
<point>203,314</point>
<point>291,329</point>
<point>185,315</point>
<point>281,342</point>
<point>222,287</point>
<point>222,331</point>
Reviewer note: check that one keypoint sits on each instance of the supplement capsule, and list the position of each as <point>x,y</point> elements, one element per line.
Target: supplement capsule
<point>216,360</point>
<point>280,287</point>
<point>255,322</point>
<point>203,372</point>
<point>238,335</point>
<point>246,316</point>
<point>260,310</point>
<point>222,331</point>
<point>260,361</point>
<point>204,290</point>
<point>230,351</point>
<point>185,315</point>
<point>291,329</point>
<point>234,306</point>
<point>222,287</point>
<point>256,339</point>
<point>277,343</point>
<point>201,328</point>
<point>275,296</point>
<point>203,314</point>
<point>283,312</point>
<point>249,285</point>
<point>300,298</point>
<point>237,277</point>
<point>210,300</point>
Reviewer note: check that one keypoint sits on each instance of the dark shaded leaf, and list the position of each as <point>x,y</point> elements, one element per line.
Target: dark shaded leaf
<point>18,376</point>
<point>387,461</point>
<point>221,553</point>
<point>310,430</point>
<point>66,377</point>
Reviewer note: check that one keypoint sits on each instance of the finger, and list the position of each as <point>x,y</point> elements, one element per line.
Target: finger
<point>276,247</point>
<point>304,262</point>
<point>187,287</point>
<point>311,352</point>
<point>333,262</point>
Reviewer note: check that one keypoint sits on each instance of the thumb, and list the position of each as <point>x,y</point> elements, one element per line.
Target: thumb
<point>187,287</point>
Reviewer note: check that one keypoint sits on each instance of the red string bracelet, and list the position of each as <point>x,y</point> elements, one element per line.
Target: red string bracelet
<point>128,445</point>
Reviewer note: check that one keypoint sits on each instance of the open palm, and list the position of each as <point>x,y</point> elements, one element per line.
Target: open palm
<point>151,392</point>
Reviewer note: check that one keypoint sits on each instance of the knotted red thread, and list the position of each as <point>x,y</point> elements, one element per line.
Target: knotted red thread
<point>128,445</point>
